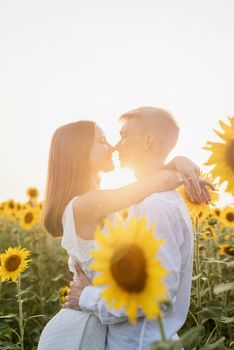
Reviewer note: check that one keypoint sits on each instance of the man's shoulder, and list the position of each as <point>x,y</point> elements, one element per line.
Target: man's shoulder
<point>168,197</point>
<point>168,203</point>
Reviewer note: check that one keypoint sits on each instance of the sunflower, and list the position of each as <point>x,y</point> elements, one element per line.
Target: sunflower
<point>129,267</point>
<point>209,231</point>
<point>226,249</point>
<point>223,155</point>
<point>13,262</point>
<point>33,193</point>
<point>8,209</point>
<point>63,293</point>
<point>10,204</point>
<point>199,210</point>
<point>228,216</point>
<point>28,218</point>
<point>123,214</point>
<point>217,212</point>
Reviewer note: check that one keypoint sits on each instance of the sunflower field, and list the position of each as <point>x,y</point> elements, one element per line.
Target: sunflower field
<point>34,276</point>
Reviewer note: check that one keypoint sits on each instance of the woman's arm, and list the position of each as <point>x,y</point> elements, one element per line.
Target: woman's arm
<point>95,205</point>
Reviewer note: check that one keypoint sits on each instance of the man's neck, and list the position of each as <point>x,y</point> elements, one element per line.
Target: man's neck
<point>148,168</point>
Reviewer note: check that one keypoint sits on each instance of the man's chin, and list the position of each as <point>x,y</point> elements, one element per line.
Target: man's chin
<point>108,168</point>
<point>123,164</point>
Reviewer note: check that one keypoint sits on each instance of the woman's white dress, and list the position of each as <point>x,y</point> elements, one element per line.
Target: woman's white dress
<point>71,329</point>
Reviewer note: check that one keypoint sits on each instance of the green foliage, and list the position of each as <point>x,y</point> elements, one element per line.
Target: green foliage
<point>46,274</point>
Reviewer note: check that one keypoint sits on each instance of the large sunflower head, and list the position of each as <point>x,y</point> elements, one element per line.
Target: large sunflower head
<point>222,157</point>
<point>13,262</point>
<point>227,216</point>
<point>199,210</point>
<point>128,266</point>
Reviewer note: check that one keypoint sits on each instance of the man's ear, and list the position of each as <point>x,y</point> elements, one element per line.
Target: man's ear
<point>148,142</point>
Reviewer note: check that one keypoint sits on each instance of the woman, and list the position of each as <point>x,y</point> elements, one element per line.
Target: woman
<point>78,152</point>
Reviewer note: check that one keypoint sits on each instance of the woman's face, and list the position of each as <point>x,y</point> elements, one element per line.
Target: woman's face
<point>101,152</point>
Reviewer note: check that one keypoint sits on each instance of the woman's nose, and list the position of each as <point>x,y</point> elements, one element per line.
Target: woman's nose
<point>111,148</point>
<point>117,146</point>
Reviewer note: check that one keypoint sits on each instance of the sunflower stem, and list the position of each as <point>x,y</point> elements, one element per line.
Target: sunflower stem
<point>18,282</point>
<point>161,327</point>
<point>197,262</point>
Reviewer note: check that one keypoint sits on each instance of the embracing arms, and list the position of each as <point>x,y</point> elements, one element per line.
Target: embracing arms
<point>92,206</point>
<point>87,298</point>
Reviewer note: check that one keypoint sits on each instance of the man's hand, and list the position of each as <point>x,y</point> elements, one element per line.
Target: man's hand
<point>76,288</point>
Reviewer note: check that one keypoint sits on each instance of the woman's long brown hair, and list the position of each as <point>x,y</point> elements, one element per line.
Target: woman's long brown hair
<point>69,171</point>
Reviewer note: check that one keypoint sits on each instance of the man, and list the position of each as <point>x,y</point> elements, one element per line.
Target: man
<point>148,135</point>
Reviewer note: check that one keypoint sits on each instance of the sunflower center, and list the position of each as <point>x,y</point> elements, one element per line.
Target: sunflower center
<point>12,263</point>
<point>11,205</point>
<point>128,267</point>
<point>230,154</point>
<point>230,217</point>
<point>217,212</point>
<point>28,218</point>
<point>33,193</point>
<point>229,250</point>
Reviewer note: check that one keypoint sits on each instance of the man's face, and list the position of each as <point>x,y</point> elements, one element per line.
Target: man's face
<point>131,144</point>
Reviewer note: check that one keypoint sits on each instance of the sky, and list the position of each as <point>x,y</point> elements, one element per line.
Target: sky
<point>67,60</point>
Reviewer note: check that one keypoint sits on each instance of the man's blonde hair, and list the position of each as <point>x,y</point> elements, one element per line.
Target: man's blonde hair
<point>160,121</point>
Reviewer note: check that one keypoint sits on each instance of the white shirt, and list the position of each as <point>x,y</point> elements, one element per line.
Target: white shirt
<point>168,211</point>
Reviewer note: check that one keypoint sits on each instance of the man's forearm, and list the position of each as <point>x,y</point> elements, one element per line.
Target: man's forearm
<point>91,301</point>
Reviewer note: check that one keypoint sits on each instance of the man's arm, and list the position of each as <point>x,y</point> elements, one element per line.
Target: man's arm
<point>167,227</point>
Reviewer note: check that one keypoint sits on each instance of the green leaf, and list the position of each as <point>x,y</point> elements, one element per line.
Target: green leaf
<point>190,339</point>
<point>218,345</point>
<point>223,287</point>
<point>211,312</point>
<point>9,316</point>
<point>226,320</point>
<point>194,278</point>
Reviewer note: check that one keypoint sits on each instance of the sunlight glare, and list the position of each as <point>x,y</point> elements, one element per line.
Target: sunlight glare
<point>118,177</point>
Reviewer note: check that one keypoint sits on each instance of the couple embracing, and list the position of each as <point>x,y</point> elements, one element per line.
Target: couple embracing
<point>74,205</point>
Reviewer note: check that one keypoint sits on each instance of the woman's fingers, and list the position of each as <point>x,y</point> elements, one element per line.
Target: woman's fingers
<point>192,195</point>
<point>207,183</point>
<point>205,196</point>
<point>206,193</point>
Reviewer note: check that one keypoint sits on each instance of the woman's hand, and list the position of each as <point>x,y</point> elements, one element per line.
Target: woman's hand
<point>76,288</point>
<point>195,186</point>
<point>188,170</point>
<point>205,193</point>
